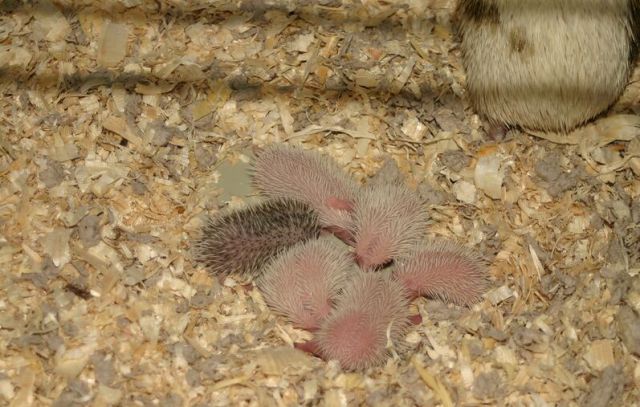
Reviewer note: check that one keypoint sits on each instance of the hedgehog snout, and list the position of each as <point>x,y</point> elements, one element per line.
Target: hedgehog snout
<point>368,262</point>
<point>372,254</point>
<point>312,347</point>
<point>415,319</point>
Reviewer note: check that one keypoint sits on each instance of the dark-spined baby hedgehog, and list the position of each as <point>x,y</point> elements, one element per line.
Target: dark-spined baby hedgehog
<point>291,172</point>
<point>445,270</point>
<point>243,241</point>
<point>303,283</point>
<point>388,221</point>
<point>370,318</point>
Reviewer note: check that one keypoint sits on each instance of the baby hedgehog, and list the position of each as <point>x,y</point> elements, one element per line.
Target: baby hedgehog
<point>443,269</point>
<point>389,221</point>
<point>243,241</point>
<point>291,172</point>
<point>546,65</point>
<point>303,283</point>
<point>370,318</point>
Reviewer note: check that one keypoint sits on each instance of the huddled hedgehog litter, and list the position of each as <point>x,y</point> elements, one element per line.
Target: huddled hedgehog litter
<point>338,259</point>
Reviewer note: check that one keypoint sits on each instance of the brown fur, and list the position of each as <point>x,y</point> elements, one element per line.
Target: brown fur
<point>547,65</point>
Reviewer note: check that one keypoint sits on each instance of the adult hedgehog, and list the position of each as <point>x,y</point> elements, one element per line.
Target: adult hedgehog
<point>548,65</point>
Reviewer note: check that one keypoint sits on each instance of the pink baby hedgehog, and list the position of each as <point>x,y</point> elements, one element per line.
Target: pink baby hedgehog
<point>389,221</point>
<point>443,269</point>
<point>370,317</point>
<point>291,172</point>
<point>303,283</point>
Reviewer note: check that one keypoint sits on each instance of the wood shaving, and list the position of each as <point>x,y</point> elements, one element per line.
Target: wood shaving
<point>121,123</point>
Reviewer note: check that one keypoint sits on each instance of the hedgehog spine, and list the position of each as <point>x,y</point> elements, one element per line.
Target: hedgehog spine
<point>242,241</point>
<point>303,283</point>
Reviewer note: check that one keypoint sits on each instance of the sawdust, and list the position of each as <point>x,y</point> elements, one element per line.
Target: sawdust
<point>121,124</point>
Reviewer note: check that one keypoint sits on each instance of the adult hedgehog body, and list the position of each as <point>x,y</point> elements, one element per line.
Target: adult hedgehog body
<point>371,316</point>
<point>547,65</point>
<point>243,241</point>
<point>442,269</point>
<point>291,172</point>
<point>388,221</point>
<point>304,282</point>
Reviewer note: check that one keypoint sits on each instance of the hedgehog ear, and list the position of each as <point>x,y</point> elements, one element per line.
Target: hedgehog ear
<point>338,203</point>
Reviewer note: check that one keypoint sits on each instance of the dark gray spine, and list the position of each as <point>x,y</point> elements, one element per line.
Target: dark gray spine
<point>243,241</point>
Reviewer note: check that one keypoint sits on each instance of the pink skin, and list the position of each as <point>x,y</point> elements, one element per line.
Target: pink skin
<point>412,287</point>
<point>356,333</point>
<point>415,319</point>
<point>373,250</point>
<point>339,203</point>
<point>371,262</point>
<point>341,233</point>
<point>446,272</point>
<point>311,347</point>
<point>303,284</point>
<point>314,319</point>
<point>363,262</point>
<point>352,337</point>
<point>360,261</point>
